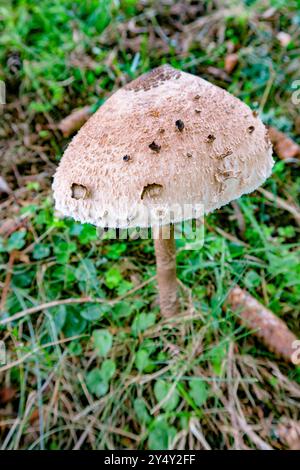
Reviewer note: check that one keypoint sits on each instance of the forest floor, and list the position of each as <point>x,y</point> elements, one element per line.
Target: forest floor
<point>114,374</point>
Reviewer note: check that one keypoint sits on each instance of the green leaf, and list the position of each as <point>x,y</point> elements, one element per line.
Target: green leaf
<point>141,411</point>
<point>88,233</point>
<point>98,379</point>
<point>75,348</point>
<point>86,271</point>
<point>161,435</point>
<point>287,232</point>
<point>124,287</point>
<point>74,324</point>
<point>96,384</point>
<point>122,309</point>
<point>91,312</point>
<point>142,321</point>
<point>142,360</point>
<point>115,250</point>
<point>63,250</point>
<point>198,391</point>
<point>113,278</point>
<point>103,341</point>
<point>63,274</point>
<point>161,390</point>
<point>218,354</point>
<point>86,274</point>
<point>108,369</point>
<point>34,185</point>
<point>252,279</point>
<point>129,6</point>
<point>41,251</point>
<point>99,17</point>
<point>2,245</point>
<point>59,316</point>
<point>16,241</point>
<point>75,228</point>
<point>29,209</point>
<point>24,277</point>
<point>39,107</point>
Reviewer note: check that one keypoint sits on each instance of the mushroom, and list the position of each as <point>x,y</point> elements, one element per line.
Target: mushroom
<point>227,145</point>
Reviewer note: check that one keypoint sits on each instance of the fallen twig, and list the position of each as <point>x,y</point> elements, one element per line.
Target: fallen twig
<point>270,329</point>
<point>4,188</point>
<point>10,226</point>
<point>282,204</point>
<point>230,63</point>
<point>37,349</point>
<point>72,300</point>
<point>11,261</point>
<point>74,121</point>
<point>284,146</point>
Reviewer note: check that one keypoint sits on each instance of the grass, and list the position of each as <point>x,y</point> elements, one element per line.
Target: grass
<point>112,373</point>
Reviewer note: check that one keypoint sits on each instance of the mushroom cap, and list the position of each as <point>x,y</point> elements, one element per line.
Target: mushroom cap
<point>169,146</point>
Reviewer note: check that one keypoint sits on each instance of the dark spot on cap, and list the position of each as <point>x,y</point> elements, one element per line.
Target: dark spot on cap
<point>210,138</point>
<point>155,147</point>
<point>197,97</point>
<point>161,130</point>
<point>152,191</point>
<point>126,158</point>
<point>255,113</point>
<point>189,155</point>
<point>198,111</point>
<point>179,124</point>
<point>251,129</point>
<point>78,191</point>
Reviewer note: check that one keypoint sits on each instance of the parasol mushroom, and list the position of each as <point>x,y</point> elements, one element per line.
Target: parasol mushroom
<point>165,141</point>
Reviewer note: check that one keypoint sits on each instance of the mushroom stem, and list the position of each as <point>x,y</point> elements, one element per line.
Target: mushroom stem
<point>165,252</point>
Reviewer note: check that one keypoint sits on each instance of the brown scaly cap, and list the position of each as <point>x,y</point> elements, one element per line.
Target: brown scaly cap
<point>165,140</point>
